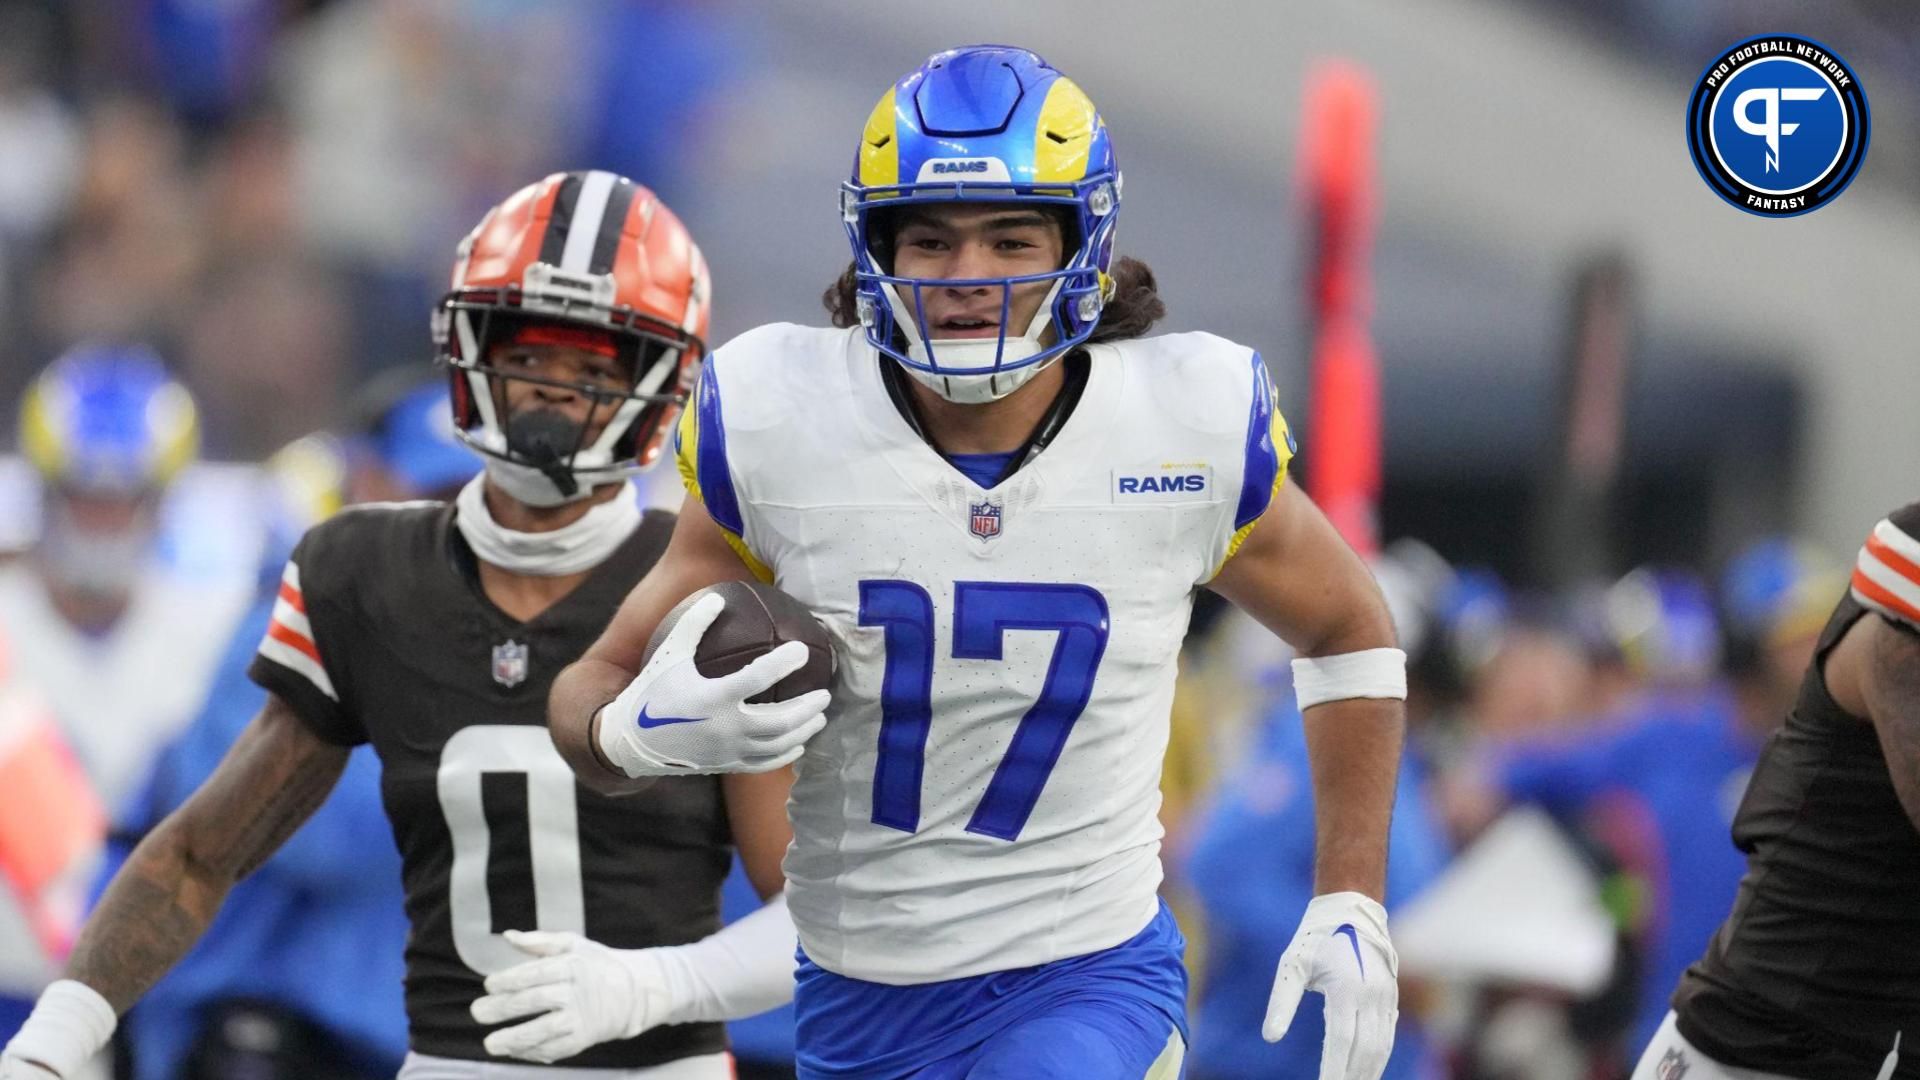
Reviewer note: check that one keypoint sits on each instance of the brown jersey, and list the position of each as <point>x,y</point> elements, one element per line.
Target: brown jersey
<point>1818,966</point>
<point>382,634</point>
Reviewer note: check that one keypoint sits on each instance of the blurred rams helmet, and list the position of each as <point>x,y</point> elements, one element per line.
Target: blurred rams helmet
<point>1663,622</point>
<point>307,480</point>
<point>588,259</point>
<point>108,420</point>
<point>303,484</point>
<point>985,123</point>
<point>1774,592</point>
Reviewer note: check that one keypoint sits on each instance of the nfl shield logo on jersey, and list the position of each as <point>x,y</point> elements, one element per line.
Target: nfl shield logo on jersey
<point>985,520</point>
<point>1672,1066</point>
<point>510,664</point>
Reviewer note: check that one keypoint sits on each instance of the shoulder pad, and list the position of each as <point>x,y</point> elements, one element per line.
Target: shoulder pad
<point>1204,381</point>
<point>342,549</point>
<point>766,372</point>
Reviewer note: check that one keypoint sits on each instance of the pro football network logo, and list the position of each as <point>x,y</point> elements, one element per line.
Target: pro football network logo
<point>1778,125</point>
<point>984,520</point>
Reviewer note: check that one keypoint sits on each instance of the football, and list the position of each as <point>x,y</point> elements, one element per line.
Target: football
<point>757,619</point>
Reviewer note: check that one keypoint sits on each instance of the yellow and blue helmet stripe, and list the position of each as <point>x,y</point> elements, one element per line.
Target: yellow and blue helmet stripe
<point>108,419</point>
<point>987,123</point>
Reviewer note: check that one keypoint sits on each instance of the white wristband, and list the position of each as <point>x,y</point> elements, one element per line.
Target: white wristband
<point>70,1024</point>
<point>1369,673</point>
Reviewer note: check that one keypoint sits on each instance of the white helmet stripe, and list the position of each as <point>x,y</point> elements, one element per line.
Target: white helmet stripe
<point>584,230</point>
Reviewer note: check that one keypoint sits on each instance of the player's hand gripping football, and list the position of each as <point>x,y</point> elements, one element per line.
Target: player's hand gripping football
<point>672,720</point>
<point>580,994</point>
<point>1341,950</point>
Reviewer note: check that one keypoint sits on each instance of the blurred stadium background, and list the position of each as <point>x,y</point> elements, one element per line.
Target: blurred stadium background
<point>1625,433</point>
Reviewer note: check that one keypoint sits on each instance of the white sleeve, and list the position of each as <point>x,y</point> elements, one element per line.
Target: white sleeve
<point>744,969</point>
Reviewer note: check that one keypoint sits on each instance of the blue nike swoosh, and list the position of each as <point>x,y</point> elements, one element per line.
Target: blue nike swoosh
<point>646,721</point>
<point>1353,939</point>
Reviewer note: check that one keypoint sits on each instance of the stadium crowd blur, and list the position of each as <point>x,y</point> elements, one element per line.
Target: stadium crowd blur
<point>190,221</point>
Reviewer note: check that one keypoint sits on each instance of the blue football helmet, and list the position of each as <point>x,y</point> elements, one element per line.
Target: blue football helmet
<point>107,430</point>
<point>1778,590</point>
<point>985,123</point>
<point>1663,621</point>
<point>108,419</point>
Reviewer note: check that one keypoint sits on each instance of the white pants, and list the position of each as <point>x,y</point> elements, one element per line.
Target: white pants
<point>424,1067</point>
<point>1671,1057</point>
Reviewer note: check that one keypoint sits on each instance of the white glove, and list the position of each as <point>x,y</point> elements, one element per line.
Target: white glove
<point>585,993</point>
<point>589,993</point>
<point>1341,950</point>
<point>672,720</point>
<point>69,1025</point>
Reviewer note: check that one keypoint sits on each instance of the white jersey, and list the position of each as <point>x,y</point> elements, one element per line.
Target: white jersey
<point>115,700</point>
<point>985,794</point>
<point>123,695</point>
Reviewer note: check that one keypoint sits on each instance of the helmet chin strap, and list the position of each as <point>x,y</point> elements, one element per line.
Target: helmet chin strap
<point>533,486</point>
<point>982,388</point>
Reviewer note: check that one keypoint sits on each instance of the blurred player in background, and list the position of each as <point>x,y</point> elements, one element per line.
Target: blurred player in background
<point>999,497</point>
<point>1253,856</point>
<point>1815,973</point>
<point>300,975</point>
<point>1656,784</point>
<point>431,630</point>
<point>51,825</point>
<point>119,642</point>
<point>107,631</point>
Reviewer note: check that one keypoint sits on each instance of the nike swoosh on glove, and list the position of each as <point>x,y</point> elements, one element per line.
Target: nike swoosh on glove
<point>581,993</point>
<point>693,724</point>
<point>1341,950</point>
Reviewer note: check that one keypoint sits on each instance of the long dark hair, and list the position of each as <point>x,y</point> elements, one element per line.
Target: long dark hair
<point>1135,307</point>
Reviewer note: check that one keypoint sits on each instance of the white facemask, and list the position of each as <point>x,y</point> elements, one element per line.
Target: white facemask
<point>102,564</point>
<point>967,373</point>
<point>99,562</point>
<point>573,549</point>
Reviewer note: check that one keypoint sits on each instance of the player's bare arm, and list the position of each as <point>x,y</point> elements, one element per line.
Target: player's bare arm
<point>1295,575</point>
<point>1300,579</point>
<point>1874,672</point>
<point>757,814</point>
<point>272,780</point>
<point>160,903</point>
<point>697,556</point>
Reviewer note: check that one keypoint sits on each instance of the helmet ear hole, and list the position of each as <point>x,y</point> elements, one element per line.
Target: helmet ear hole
<point>883,233</point>
<point>1070,237</point>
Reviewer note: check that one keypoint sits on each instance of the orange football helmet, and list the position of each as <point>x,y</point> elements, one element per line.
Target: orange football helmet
<point>576,257</point>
